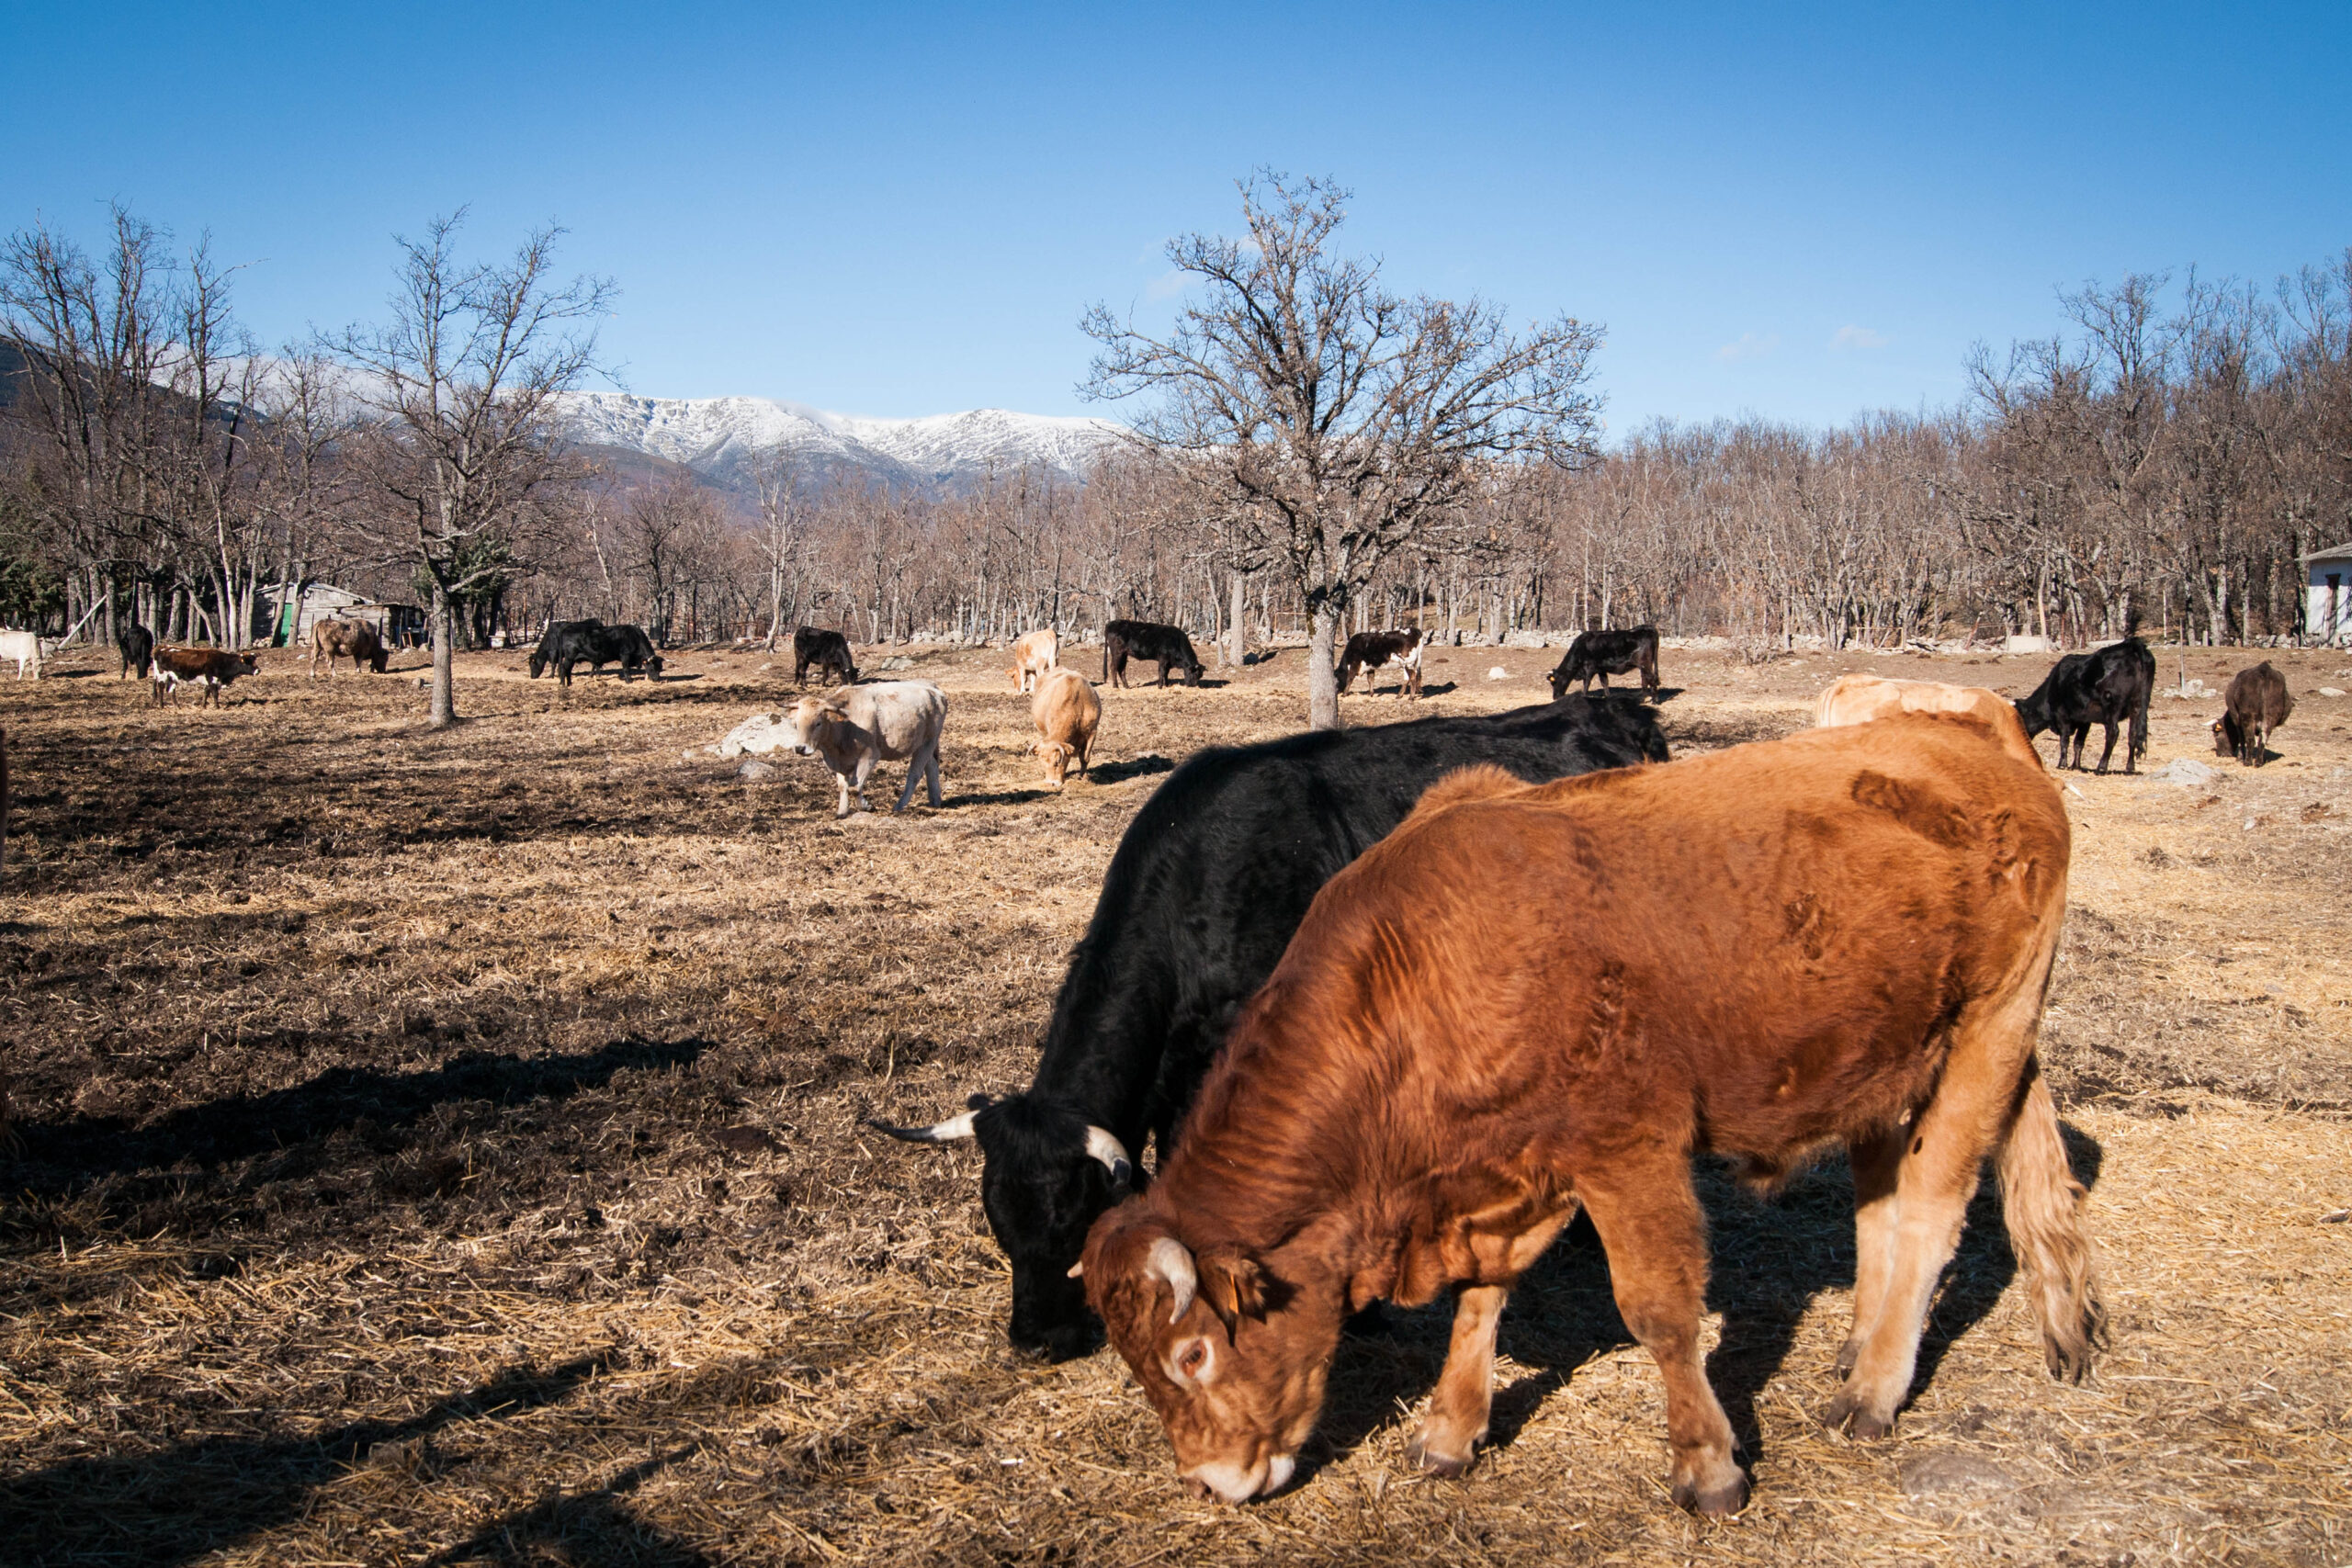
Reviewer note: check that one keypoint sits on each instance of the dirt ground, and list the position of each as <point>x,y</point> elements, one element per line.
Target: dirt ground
<point>446,1149</point>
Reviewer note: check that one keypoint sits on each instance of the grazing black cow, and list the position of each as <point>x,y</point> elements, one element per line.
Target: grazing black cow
<point>1212,877</point>
<point>1375,652</point>
<point>598,645</point>
<point>1148,640</point>
<point>543,655</point>
<point>1605,654</point>
<point>137,646</point>
<point>2257,702</point>
<point>2107,685</point>
<point>828,651</point>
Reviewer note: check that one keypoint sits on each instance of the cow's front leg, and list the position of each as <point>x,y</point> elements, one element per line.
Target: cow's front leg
<point>2107,755</point>
<point>1449,1435</point>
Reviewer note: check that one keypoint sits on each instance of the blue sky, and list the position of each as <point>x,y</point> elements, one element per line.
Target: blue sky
<point>1798,211</point>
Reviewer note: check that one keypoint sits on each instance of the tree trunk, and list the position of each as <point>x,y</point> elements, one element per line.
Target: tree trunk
<point>1323,671</point>
<point>445,692</point>
<point>1235,632</point>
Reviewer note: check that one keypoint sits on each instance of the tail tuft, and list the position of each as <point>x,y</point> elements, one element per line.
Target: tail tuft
<point>2042,1205</point>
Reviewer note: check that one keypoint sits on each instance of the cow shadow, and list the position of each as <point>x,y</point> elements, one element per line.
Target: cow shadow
<point>1769,1260</point>
<point>57,1157</point>
<point>1133,768</point>
<point>997,797</point>
<point>205,1496</point>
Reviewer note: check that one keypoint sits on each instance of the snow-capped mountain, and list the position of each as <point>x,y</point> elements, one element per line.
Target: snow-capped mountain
<point>717,437</point>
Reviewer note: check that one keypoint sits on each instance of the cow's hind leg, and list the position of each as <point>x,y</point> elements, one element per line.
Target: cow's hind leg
<point>1449,1435</point>
<point>1876,1162</point>
<point>1656,1236</point>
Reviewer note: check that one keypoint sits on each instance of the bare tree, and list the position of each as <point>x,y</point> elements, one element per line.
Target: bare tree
<point>462,382</point>
<point>775,480</point>
<point>1341,418</point>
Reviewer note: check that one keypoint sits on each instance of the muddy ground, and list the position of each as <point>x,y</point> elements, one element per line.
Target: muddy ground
<point>447,1148</point>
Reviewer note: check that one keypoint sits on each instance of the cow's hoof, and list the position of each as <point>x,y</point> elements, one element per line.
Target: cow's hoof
<point>1845,1414</point>
<point>1430,1461</point>
<point>1848,1354</point>
<point>1717,1502</point>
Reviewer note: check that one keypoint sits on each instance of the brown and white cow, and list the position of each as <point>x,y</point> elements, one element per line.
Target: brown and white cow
<point>1373,651</point>
<point>1529,998</point>
<point>210,670</point>
<point>1034,654</point>
<point>1066,712</point>
<point>354,640</point>
<point>854,728</point>
<point>27,648</point>
<point>1858,699</point>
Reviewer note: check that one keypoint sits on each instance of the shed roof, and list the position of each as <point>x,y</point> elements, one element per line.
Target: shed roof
<point>2341,552</point>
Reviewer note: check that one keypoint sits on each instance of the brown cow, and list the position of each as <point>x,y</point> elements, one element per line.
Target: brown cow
<point>1858,699</point>
<point>354,640</point>
<point>1532,997</point>
<point>208,669</point>
<point>2257,702</point>
<point>1066,712</point>
<point>1033,655</point>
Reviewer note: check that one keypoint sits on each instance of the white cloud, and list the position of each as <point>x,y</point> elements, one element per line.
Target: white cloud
<point>1852,336</point>
<point>1748,345</point>
<point>1168,285</point>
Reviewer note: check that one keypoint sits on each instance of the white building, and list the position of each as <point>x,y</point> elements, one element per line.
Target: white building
<point>2328,616</point>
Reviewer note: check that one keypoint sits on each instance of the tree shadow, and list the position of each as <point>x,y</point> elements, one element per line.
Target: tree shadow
<point>1133,768</point>
<point>1769,1260</point>
<point>177,1504</point>
<point>58,1156</point>
<point>584,1527</point>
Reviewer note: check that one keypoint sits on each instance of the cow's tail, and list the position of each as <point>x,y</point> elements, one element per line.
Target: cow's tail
<point>2042,1205</point>
<point>2140,721</point>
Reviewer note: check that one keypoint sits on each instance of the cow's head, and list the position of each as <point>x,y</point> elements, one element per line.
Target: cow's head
<point>2033,711</point>
<point>2225,737</point>
<point>1561,681</point>
<point>816,724</point>
<point>1047,1173</point>
<point>378,655</point>
<point>1057,756</point>
<point>1231,1356</point>
<point>653,665</point>
<point>537,661</point>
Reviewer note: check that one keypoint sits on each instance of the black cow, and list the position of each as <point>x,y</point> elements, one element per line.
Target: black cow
<point>1207,884</point>
<point>2107,685</point>
<point>1148,640</point>
<point>598,645</point>
<point>2257,702</point>
<point>542,656</point>
<point>137,646</point>
<point>1374,651</point>
<point>1605,654</point>
<point>828,651</point>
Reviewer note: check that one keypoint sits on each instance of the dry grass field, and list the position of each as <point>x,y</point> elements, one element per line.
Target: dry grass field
<point>446,1149</point>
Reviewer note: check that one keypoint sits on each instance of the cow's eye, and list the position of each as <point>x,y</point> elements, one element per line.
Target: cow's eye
<point>1193,1358</point>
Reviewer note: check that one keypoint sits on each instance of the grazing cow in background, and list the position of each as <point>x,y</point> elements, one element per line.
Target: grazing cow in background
<point>2257,702</point>
<point>1066,712</point>
<point>827,651</point>
<point>1858,699</point>
<point>544,654</point>
<point>26,647</point>
<point>208,670</point>
<point>1207,884</point>
<point>2110,685</point>
<point>354,640</point>
<point>1033,655</point>
<point>1532,998</point>
<point>1374,651</point>
<point>1605,654</point>
<point>137,646</point>
<point>856,726</point>
<point>1148,640</point>
<point>598,645</point>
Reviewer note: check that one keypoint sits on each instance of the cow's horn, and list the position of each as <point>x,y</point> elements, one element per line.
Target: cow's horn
<point>946,1131</point>
<point>1109,1151</point>
<point>1167,1260</point>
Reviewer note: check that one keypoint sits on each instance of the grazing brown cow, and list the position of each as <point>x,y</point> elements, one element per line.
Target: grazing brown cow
<point>1858,699</point>
<point>1529,998</point>
<point>1033,655</point>
<point>2257,702</point>
<point>208,669</point>
<point>1066,712</point>
<point>354,640</point>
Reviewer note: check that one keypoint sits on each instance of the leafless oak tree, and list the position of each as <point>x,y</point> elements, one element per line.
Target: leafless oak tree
<point>1341,417</point>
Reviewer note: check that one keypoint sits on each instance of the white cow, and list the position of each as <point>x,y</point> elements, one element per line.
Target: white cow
<point>26,647</point>
<point>854,728</point>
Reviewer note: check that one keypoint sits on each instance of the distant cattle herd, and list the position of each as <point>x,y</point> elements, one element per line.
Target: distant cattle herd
<point>1387,1007</point>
